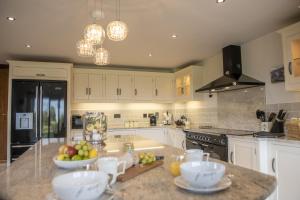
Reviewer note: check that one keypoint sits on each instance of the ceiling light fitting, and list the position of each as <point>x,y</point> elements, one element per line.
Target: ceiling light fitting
<point>220,1</point>
<point>94,35</point>
<point>10,18</point>
<point>174,36</point>
<point>28,46</point>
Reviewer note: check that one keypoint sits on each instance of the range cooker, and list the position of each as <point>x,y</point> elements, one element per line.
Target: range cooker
<point>216,144</point>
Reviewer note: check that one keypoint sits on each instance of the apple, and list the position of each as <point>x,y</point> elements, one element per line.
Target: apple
<point>62,148</point>
<point>71,151</point>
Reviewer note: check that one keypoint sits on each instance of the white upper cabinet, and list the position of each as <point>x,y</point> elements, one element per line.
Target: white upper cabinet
<point>81,85</point>
<point>88,85</point>
<point>40,70</point>
<point>126,86</point>
<point>164,87</point>
<point>119,85</point>
<point>187,81</point>
<point>96,86</point>
<point>112,86</point>
<point>291,54</point>
<point>143,86</point>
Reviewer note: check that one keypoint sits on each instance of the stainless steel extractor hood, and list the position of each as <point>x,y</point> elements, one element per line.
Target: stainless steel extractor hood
<point>233,79</point>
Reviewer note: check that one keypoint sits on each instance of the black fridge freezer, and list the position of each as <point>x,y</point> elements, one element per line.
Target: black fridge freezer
<point>38,110</point>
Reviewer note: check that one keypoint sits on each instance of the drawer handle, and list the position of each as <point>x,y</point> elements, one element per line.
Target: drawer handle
<point>40,75</point>
<point>273,165</point>
<point>182,144</point>
<point>21,146</point>
<point>290,68</point>
<point>231,157</point>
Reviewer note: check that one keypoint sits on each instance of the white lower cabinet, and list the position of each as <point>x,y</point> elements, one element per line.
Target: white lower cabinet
<point>243,153</point>
<point>121,132</point>
<point>157,134</point>
<point>176,138</point>
<point>284,163</point>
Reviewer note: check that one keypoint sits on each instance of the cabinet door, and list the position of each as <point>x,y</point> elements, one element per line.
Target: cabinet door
<point>243,153</point>
<point>153,134</point>
<point>163,88</point>
<point>143,87</point>
<point>111,86</point>
<point>81,83</point>
<point>179,86</point>
<point>96,86</point>
<point>126,86</point>
<point>187,85</point>
<point>292,62</point>
<point>285,164</point>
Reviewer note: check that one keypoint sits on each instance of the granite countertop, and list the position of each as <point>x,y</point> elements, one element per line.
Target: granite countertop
<point>30,176</point>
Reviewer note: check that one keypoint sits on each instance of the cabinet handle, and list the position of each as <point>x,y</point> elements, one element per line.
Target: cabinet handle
<point>135,92</point>
<point>87,91</point>
<point>182,144</point>
<point>231,157</point>
<point>90,91</point>
<point>290,68</point>
<point>40,75</point>
<point>182,90</point>
<point>120,91</point>
<point>273,165</point>
<point>156,92</point>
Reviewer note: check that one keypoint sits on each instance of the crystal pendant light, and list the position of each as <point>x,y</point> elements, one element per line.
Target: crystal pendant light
<point>102,56</point>
<point>117,30</point>
<point>94,33</point>
<point>85,48</point>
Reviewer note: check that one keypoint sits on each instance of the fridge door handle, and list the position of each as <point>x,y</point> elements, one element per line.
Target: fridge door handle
<point>41,111</point>
<point>36,111</point>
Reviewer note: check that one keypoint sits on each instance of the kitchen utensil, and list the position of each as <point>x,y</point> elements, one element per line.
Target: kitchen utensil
<point>202,174</point>
<point>73,164</point>
<point>80,185</point>
<point>110,165</point>
<point>196,155</point>
<point>137,170</point>
<point>271,117</point>
<point>222,185</point>
<point>266,126</point>
<point>279,114</point>
<point>283,116</point>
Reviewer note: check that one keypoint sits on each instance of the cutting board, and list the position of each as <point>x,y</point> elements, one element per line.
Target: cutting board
<point>137,170</point>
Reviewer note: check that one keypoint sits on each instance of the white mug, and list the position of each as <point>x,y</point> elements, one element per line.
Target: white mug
<point>110,165</point>
<point>195,155</point>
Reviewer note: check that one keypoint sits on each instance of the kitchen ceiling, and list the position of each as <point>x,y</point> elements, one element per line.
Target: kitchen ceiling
<point>202,27</point>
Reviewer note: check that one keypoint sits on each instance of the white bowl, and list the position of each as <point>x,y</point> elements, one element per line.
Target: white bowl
<point>202,173</point>
<point>73,164</point>
<point>80,185</point>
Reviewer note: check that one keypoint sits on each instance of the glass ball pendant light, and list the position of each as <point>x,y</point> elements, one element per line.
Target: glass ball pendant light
<point>85,48</point>
<point>102,56</point>
<point>117,31</point>
<point>94,33</point>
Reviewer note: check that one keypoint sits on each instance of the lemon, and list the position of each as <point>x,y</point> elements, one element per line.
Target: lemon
<point>93,153</point>
<point>175,168</point>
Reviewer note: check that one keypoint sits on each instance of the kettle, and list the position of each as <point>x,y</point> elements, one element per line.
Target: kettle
<point>153,120</point>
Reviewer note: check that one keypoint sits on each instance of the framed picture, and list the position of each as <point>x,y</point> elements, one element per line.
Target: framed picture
<point>277,75</point>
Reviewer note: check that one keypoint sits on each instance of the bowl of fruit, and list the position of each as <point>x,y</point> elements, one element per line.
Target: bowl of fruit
<point>147,158</point>
<point>76,156</point>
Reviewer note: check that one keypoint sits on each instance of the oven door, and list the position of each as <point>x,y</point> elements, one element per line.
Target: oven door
<point>215,151</point>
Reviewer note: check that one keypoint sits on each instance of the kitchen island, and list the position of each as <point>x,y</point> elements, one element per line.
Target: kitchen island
<point>30,176</point>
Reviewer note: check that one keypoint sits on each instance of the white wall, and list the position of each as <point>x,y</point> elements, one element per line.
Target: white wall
<point>259,56</point>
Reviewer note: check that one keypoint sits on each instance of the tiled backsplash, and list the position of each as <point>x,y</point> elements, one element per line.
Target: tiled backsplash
<point>229,110</point>
<point>293,109</point>
<point>128,111</point>
<point>237,109</point>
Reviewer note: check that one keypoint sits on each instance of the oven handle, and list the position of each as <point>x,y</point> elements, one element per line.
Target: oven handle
<point>193,142</point>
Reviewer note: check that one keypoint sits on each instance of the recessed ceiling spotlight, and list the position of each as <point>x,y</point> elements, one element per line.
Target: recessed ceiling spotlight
<point>10,18</point>
<point>220,1</point>
<point>174,36</point>
<point>150,55</point>
<point>28,46</point>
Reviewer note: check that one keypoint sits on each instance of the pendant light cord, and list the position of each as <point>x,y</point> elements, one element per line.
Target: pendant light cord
<point>118,5</point>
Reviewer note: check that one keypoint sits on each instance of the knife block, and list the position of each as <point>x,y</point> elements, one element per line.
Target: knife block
<point>278,126</point>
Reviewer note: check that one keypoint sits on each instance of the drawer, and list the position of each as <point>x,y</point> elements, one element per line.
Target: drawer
<point>40,72</point>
